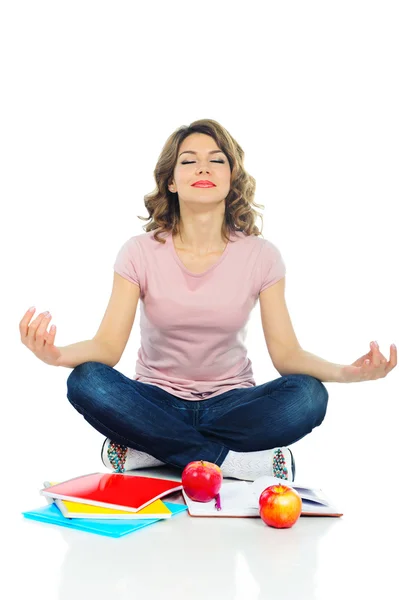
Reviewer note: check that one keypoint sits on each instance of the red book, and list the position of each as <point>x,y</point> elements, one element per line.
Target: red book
<point>113,490</point>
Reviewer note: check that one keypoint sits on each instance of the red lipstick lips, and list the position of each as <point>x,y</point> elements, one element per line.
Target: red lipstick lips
<point>203,183</point>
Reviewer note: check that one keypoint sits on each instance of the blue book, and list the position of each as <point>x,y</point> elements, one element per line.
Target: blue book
<point>110,527</point>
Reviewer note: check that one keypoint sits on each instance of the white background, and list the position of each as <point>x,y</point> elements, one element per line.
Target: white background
<point>91,91</point>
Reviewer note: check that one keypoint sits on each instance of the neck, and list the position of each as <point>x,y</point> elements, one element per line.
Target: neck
<point>200,240</point>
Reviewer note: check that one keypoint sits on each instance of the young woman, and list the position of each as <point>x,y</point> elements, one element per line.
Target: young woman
<point>199,271</point>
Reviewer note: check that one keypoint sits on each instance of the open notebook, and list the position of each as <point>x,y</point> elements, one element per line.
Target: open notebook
<point>241,499</point>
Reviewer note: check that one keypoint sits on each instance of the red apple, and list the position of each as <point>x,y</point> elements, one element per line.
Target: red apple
<point>280,506</point>
<point>202,480</point>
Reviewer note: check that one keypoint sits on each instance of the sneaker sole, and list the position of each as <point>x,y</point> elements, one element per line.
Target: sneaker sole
<point>292,465</point>
<point>102,453</point>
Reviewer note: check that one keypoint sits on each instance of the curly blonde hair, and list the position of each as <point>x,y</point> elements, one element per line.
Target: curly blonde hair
<point>163,206</point>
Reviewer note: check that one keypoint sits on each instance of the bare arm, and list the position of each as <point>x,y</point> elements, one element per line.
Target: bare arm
<point>301,361</point>
<point>86,351</point>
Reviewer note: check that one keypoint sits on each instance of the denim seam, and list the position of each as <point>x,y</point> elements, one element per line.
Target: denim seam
<point>286,379</point>
<point>122,437</point>
<point>221,452</point>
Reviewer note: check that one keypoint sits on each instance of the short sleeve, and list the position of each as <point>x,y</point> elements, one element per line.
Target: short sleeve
<point>126,262</point>
<point>272,265</point>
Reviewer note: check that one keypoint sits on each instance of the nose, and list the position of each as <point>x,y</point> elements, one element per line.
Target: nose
<point>201,169</point>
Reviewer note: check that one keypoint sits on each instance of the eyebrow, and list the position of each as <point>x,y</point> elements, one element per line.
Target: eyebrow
<point>192,152</point>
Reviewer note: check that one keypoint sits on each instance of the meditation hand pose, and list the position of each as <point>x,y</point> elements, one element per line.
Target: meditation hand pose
<point>198,271</point>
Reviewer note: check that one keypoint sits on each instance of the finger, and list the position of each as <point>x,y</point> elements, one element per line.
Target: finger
<point>377,352</point>
<point>33,327</point>
<point>393,358</point>
<point>385,366</point>
<point>375,358</point>
<point>51,336</point>
<point>41,331</point>
<point>23,324</point>
<point>375,371</point>
<point>360,361</point>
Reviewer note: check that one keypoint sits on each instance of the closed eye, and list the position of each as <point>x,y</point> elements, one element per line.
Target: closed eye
<point>189,162</point>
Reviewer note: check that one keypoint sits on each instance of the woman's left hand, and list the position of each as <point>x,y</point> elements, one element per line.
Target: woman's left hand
<point>373,365</point>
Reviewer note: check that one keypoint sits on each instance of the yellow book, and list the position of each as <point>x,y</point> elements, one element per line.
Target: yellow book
<point>78,510</point>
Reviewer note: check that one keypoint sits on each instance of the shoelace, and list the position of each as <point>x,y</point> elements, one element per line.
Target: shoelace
<point>279,465</point>
<point>117,456</point>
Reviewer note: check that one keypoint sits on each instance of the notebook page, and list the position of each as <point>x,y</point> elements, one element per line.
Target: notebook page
<point>314,507</point>
<point>236,499</point>
<point>239,500</point>
<point>305,492</point>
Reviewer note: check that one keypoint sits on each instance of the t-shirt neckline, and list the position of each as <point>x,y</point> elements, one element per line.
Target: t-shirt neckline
<point>184,268</point>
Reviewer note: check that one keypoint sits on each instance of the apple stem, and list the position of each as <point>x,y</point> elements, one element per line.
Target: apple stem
<point>218,506</point>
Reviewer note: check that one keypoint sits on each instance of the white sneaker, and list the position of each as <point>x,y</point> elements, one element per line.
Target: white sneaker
<point>121,458</point>
<point>278,462</point>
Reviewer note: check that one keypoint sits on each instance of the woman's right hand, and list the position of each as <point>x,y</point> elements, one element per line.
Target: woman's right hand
<point>36,337</point>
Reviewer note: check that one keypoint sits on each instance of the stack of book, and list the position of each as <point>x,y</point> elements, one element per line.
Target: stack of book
<point>111,504</point>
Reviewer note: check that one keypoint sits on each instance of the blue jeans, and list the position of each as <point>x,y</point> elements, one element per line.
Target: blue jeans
<point>176,431</point>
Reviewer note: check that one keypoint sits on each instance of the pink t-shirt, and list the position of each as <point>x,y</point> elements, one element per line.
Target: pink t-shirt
<point>193,326</point>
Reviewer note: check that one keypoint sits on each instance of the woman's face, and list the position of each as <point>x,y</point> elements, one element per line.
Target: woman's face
<point>200,158</point>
